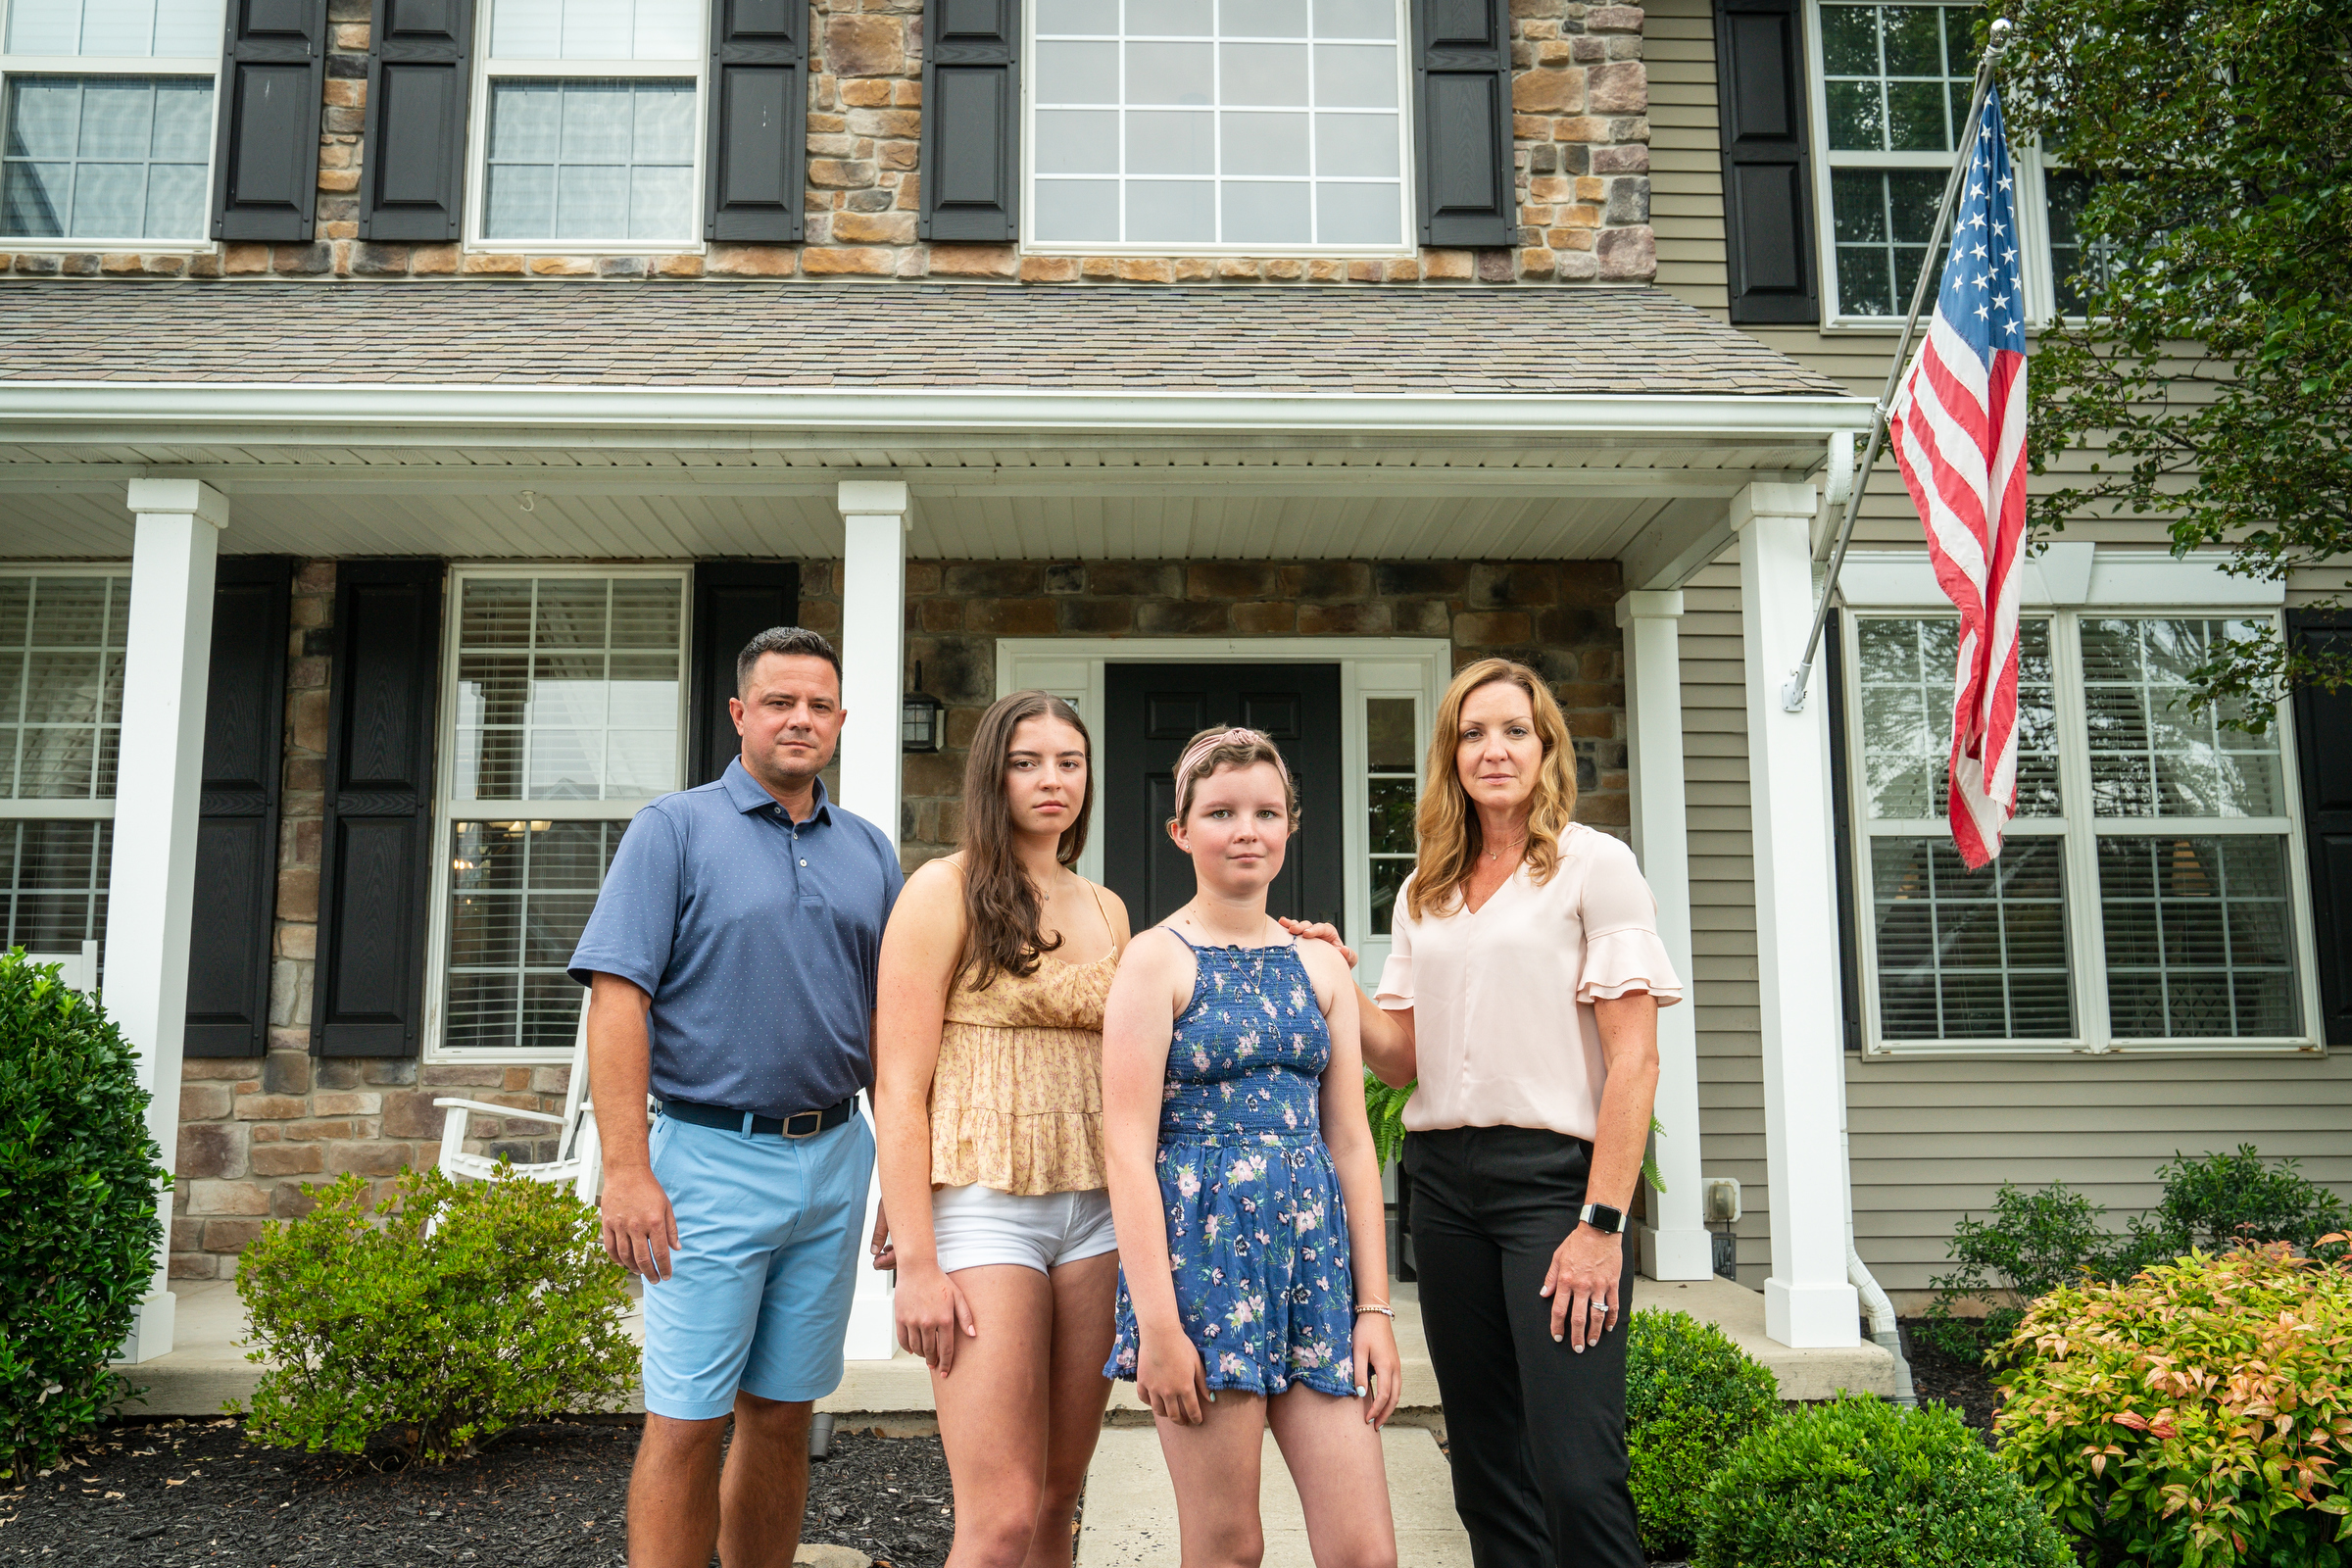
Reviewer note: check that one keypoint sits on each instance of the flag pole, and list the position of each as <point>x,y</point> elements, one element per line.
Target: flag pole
<point>1792,695</point>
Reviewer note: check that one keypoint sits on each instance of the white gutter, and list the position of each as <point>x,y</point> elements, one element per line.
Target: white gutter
<point>214,408</point>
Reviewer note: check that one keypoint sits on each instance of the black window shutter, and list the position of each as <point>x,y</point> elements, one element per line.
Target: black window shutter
<point>734,601</point>
<point>368,997</point>
<point>1767,167</point>
<point>1462,121</point>
<point>412,166</point>
<point>972,164</point>
<point>2323,758</point>
<point>271,88</point>
<point>236,832</point>
<point>758,128</point>
<point>1842,836</point>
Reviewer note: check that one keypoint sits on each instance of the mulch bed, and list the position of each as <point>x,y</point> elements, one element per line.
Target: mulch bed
<point>174,1493</point>
<point>1964,1385</point>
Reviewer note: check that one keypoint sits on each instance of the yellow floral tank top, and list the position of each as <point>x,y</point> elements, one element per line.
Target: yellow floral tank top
<point>1017,1101</point>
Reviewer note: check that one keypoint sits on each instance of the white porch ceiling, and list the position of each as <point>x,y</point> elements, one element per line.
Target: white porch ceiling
<point>1075,502</point>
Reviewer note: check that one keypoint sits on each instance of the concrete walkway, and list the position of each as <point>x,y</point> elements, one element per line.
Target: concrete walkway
<point>1130,1519</point>
<point>208,1365</point>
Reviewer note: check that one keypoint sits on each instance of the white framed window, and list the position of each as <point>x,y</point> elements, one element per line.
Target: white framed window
<point>1891,90</point>
<point>565,716</point>
<point>588,117</point>
<point>1392,742</point>
<point>62,635</point>
<point>1218,126</point>
<point>106,121</point>
<point>2151,892</point>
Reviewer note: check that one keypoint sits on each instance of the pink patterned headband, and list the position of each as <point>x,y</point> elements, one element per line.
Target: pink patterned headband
<point>1197,753</point>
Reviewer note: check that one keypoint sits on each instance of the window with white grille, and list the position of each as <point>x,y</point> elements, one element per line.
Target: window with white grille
<point>106,119</point>
<point>2148,893</point>
<point>565,701</point>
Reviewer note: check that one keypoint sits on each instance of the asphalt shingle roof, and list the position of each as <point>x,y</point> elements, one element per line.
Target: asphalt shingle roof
<point>1303,339</point>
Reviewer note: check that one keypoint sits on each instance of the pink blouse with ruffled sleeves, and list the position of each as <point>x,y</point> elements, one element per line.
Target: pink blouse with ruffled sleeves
<point>1502,998</point>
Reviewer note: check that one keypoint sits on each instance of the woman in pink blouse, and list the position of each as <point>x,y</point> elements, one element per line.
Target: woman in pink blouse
<point>1523,993</point>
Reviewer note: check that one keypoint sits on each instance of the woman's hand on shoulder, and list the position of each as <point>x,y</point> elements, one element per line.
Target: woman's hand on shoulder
<point>1318,931</point>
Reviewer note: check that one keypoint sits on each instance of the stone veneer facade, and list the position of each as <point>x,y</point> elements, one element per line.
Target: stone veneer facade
<point>1579,99</point>
<point>257,1133</point>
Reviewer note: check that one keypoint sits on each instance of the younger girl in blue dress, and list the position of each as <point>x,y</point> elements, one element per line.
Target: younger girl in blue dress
<point>1251,1235</point>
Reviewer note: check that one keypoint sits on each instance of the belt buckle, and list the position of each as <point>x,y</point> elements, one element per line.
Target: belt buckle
<point>816,1123</point>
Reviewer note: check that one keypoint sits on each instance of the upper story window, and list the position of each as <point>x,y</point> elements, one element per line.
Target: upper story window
<point>1218,124</point>
<point>591,121</point>
<point>2147,891</point>
<point>569,694</point>
<point>106,119</point>
<point>1893,89</point>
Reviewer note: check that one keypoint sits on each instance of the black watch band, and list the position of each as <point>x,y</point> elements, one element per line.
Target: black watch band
<point>1601,1216</point>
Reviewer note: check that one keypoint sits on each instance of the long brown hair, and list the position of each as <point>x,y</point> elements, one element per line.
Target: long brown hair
<point>1002,914</point>
<point>1450,837</point>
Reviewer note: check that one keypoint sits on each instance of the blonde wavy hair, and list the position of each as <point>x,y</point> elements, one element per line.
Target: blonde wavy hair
<point>1447,825</point>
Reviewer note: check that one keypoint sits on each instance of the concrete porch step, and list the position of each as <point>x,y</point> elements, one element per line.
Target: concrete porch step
<point>207,1365</point>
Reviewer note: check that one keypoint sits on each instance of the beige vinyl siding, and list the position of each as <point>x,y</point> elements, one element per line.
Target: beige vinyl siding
<point>1932,1138</point>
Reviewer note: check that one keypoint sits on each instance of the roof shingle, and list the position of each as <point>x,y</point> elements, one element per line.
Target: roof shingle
<point>1074,338</point>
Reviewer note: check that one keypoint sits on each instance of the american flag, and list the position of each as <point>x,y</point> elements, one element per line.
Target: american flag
<point>1958,428</point>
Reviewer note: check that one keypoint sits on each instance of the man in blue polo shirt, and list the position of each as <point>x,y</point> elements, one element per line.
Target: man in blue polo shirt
<point>732,965</point>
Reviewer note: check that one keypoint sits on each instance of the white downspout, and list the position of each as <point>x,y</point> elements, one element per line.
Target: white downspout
<point>1876,1308</point>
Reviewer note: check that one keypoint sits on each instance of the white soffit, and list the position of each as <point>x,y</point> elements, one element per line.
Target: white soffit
<point>2064,575</point>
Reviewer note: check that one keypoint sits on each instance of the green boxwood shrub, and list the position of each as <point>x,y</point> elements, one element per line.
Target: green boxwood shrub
<point>1690,1395</point>
<point>437,1318</point>
<point>1861,1484</point>
<point>2194,1414</point>
<point>78,1179</point>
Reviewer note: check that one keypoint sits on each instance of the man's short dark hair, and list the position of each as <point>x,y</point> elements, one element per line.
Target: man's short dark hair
<point>794,641</point>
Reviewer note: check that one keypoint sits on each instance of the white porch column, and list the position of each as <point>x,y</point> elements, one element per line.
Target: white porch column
<point>873,642</point>
<point>1674,1245</point>
<point>150,885</point>
<point>1808,1300</point>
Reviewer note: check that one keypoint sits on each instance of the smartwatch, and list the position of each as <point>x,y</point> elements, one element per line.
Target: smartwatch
<point>1601,1216</point>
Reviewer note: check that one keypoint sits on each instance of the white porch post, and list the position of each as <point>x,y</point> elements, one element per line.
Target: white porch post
<point>873,642</point>
<point>1674,1245</point>
<point>1807,1299</point>
<point>150,885</point>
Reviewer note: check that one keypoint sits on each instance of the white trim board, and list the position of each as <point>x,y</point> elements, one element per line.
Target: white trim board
<point>2065,574</point>
<point>1419,667</point>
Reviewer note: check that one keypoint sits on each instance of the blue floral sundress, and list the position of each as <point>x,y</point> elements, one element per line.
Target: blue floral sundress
<point>1257,1233</point>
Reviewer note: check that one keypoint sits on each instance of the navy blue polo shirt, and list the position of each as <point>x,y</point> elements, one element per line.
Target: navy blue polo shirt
<point>757,938</point>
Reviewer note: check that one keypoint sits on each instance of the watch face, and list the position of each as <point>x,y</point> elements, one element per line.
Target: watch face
<point>1605,1217</point>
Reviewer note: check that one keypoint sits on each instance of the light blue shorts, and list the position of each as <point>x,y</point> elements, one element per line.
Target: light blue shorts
<point>767,1259</point>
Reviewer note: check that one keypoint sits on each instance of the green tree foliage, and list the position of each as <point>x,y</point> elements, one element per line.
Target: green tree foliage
<point>2215,360</point>
<point>439,1317</point>
<point>78,1177</point>
<point>1690,1395</point>
<point>1862,1483</point>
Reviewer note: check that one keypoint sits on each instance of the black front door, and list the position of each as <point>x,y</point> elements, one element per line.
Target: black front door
<point>1152,710</point>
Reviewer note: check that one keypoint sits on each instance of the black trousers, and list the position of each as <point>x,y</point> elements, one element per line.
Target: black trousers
<point>1537,1430</point>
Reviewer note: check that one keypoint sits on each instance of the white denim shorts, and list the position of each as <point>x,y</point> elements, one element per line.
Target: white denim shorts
<point>976,1225</point>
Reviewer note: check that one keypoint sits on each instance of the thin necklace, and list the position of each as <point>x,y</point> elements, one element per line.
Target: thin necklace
<point>1192,907</point>
<point>1518,843</point>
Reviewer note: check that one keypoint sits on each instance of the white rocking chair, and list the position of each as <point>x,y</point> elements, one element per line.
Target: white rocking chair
<point>78,972</point>
<point>579,1157</point>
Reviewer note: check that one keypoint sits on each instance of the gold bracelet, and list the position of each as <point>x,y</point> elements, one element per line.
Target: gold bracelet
<point>1388,1312</point>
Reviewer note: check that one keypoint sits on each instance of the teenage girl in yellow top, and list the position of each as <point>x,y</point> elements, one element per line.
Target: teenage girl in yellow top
<point>988,1103</point>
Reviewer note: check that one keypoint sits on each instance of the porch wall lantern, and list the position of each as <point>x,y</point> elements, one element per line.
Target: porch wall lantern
<point>918,718</point>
